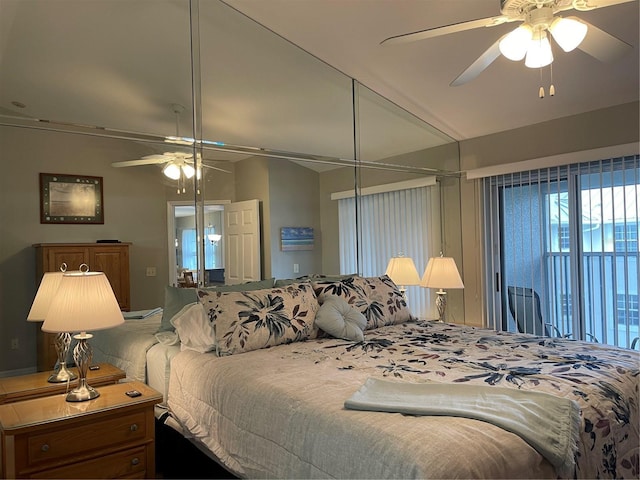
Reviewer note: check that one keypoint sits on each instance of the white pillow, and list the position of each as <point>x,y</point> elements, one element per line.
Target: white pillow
<point>341,320</point>
<point>194,329</point>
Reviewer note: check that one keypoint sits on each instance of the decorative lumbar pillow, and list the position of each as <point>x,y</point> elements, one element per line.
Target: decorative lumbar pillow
<point>194,328</point>
<point>341,320</point>
<point>245,321</point>
<point>377,298</point>
<point>175,298</point>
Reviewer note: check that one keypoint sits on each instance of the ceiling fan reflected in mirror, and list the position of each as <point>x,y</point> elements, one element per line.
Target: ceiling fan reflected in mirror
<point>530,40</point>
<point>177,165</point>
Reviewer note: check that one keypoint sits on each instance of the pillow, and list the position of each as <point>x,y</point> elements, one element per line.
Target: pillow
<point>175,298</point>
<point>245,321</point>
<point>341,320</point>
<point>377,298</point>
<point>385,303</point>
<point>243,287</point>
<point>283,282</point>
<point>194,328</point>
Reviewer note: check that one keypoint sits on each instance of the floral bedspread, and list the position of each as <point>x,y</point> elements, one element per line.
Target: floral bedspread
<point>603,380</point>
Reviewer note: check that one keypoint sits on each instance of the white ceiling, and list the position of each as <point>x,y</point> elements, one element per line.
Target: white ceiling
<point>416,76</point>
<point>121,64</point>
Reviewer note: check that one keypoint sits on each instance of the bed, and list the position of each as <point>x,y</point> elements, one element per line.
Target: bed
<point>280,412</point>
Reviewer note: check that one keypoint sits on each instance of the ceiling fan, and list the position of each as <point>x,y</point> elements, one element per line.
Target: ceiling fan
<point>176,164</point>
<point>531,38</point>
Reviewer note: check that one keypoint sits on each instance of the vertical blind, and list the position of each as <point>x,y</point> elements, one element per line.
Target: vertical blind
<point>391,223</point>
<point>562,250</point>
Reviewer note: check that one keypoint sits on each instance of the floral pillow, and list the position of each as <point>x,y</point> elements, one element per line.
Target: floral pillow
<point>245,321</point>
<point>377,298</point>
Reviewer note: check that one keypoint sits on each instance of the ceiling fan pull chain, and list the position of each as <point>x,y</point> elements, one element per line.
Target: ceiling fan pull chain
<point>541,91</point>
<point>552,89</point>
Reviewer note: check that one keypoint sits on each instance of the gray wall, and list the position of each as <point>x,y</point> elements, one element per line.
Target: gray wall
<point>135,206</point>
<point>295,202</point>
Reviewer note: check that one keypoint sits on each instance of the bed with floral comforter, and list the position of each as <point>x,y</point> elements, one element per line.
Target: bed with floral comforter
<point>279,412</point>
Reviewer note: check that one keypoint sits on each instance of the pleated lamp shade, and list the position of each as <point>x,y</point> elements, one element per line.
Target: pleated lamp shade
<point>44,296</point>
<point>84,302</point>
<point>402,270</point>
<point>441,272</point>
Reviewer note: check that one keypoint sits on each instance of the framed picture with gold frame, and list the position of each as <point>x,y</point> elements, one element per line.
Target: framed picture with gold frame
<point>71,199</point>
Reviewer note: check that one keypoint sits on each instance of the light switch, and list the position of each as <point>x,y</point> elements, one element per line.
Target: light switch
<point>151,271</point>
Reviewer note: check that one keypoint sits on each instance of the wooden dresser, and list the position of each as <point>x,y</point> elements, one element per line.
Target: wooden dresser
<point>110,258</point>
<point>111,436</point>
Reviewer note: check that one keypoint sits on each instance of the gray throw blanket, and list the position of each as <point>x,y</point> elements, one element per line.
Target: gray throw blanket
<point>549,424</point>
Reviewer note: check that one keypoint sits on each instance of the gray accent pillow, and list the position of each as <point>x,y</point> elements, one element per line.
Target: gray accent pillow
<point>341,320</point>
<point>176,298</point>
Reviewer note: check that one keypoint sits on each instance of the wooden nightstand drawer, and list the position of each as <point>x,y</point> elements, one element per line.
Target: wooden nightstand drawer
<point>75,441</point>
<point>129,463</point>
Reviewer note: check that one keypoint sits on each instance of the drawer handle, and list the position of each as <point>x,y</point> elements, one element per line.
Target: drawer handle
<point>135,461</point>
<point>45,448</point>
<point>134,427</point>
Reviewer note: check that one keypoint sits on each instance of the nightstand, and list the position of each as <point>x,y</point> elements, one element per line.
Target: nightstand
<point>24,387</point>
<point>111,436</point>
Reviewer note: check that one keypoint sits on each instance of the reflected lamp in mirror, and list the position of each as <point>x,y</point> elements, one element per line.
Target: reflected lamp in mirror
<point>41,303</point>
<point>214,238</point>
<point>402,270</point>
<point>84,301</point>
<point>441,272</point>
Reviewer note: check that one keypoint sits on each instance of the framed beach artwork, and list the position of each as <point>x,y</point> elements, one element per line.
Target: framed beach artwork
<point>70,199</point>
<point>296,238</point>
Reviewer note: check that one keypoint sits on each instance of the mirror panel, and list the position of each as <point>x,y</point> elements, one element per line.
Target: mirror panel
<point>260,90</point>
<point>133,59</point>
<point>292,115</point>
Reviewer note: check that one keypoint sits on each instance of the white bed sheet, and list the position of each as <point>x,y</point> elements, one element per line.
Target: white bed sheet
<point>126,345</point>
<point>159,367</point>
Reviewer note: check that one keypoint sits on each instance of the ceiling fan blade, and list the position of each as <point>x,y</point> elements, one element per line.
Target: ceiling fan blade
<point>585,5</point>
<point>477,67</point>
<point>157,159</point>
<point>215,168</point>
<point>602,45</point>
<point>447,29</point>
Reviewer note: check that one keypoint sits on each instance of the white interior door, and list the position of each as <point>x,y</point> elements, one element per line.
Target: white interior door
<point>242,242</point>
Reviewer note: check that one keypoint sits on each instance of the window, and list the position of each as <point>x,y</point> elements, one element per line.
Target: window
<point>626,237</point>
<point>571,234</point>
<point>627,309</point>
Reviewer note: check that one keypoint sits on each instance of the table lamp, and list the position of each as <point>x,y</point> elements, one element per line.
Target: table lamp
<point>441,272</point>
<point>39,308</point>
<point>403,272</point>
<point>83,302</point>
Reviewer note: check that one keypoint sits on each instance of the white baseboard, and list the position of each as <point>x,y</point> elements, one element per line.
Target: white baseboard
<point>20,371</point>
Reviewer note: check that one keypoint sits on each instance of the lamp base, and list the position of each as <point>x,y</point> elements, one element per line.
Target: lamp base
<point>441,304</point>
<point>82,355</point>
<point>62,375</point>
<point>82,393</point>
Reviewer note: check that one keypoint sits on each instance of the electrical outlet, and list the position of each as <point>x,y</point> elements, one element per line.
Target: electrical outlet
<point>296,268</point>
<point>151,271</point>
<point>15,344</point>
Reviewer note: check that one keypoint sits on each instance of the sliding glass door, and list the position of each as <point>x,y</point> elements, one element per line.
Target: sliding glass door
<point>564,251</point>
